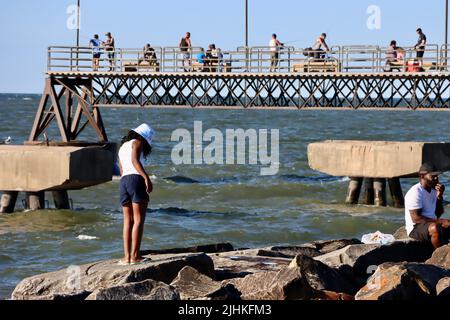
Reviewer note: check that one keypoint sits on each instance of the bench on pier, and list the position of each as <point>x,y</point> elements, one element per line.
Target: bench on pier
<point>317,66</point>
<point>403,65</point>
<point>212,67</point>
<point>141,66</point>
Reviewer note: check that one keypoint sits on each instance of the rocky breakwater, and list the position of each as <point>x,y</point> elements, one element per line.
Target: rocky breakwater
<point>329,270</point>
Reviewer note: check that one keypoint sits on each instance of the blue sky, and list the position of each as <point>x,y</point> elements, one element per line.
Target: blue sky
<point>30,26</point>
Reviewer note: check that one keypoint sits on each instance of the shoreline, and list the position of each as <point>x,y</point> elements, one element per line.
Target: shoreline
<point>343,269</point>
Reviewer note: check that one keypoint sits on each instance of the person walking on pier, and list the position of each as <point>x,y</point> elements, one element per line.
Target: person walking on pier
<point>421,43</point>
<point>185,48</point>
<point>110,48</point>
<point>135,185</point>
<point>96,45</point>
<point>424,207</point>
<point>274,46</point>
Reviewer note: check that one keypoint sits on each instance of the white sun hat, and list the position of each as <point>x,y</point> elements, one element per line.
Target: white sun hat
<point>146,132</point>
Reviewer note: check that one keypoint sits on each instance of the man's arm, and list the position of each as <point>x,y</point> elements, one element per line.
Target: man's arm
<point>416,216</point>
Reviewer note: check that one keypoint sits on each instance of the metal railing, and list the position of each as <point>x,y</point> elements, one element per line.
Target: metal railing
<point>347,58</point>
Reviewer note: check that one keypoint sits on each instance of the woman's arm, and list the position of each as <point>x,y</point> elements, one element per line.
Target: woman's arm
<point>136,150</point>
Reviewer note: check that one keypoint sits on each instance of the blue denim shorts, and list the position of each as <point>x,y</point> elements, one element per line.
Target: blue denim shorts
<point>133,190</point>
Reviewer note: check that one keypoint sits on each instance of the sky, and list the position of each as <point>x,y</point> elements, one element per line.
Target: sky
<point>30,26</point>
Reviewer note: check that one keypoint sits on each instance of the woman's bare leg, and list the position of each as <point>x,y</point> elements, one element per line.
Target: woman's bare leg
<point>127,231</point>
<point>139,211</point>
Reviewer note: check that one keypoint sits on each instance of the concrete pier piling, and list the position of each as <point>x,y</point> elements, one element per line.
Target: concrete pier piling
<point>395,188</point>
<point>379,187</point>
<point>8,201</point>
<point>61,199</point>
<point>354,189</point>
<point>35,200</point>
<point>368,197</point>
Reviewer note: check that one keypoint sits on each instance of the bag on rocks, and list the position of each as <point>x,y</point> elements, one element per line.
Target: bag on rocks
<point>377,237</point>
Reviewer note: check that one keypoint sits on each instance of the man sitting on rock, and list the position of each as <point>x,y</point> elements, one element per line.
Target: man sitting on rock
<point>423,208</point>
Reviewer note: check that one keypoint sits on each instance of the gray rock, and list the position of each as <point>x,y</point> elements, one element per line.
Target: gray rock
<point>365,258</point>
<point>401,234</point>
<point>145,290</point>
<point>242,263</point>
<point>443,288</point>
<point>192,285</point>
<point>289,251</point>
<point>441,257</point>
<point>304,278</point>
<point>76,282</point>
<point>402,281</point>
<point>209,248</point>
<point>326,246</point>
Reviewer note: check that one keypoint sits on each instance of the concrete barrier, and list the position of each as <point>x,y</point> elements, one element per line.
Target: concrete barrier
<point>376,159</point>
<point>38,168</point>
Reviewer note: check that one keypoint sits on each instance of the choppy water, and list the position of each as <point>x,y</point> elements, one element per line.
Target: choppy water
<point>205,204</point>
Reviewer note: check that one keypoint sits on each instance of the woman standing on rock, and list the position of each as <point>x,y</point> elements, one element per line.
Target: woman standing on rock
<point>135,185</point>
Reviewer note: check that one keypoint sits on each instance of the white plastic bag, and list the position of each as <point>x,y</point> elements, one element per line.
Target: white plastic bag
<point>377,237</point>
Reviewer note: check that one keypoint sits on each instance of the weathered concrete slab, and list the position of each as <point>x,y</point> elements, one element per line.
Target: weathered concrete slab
<point>38,168</point>
<point>376,159</point>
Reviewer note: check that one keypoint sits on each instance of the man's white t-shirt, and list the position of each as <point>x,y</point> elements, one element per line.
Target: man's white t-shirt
<point>419,198</point>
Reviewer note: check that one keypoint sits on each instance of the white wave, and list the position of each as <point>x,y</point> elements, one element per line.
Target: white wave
<point>27,99</point>
<point>85,237</point>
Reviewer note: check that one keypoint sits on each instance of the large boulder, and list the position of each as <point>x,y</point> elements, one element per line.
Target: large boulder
<point>402,281</point>
<point>441,257</point>
<point>364,258</point>
<point>144,290</point>
<point>192,285</point>
<point>78,282</point>
<point>303,278</point>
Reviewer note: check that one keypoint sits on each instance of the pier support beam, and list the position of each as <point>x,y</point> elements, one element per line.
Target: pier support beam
<point>35,200</point>
<point>368,191</point>
<point>8,201</point>
<point>61,199</point>
<point>379,186</point>
<point>354,189</point>
<point>396,192</point>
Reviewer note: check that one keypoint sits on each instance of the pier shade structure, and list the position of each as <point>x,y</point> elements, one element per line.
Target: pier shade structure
<point>377,162</point>
<point>346,77</point>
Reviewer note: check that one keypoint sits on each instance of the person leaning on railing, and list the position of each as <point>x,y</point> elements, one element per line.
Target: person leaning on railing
<point>110,49</point>
<point>95,44</point>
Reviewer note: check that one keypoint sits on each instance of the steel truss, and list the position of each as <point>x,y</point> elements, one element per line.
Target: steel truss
<point>321,90</point>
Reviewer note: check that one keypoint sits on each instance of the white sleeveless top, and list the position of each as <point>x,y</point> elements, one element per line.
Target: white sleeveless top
<point>125,153</point>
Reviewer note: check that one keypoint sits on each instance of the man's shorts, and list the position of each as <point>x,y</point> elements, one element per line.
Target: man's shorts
<point>186,55</point>
<point>97,55</point>
<point>133,190</point>
<point>420,232</point>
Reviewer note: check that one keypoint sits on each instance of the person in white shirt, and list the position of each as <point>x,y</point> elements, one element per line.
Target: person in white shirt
<point>274,46</point>
<point>424,208</point>
<point>135,185</point>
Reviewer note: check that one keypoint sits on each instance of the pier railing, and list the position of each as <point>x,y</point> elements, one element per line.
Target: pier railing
<point>346,58</point>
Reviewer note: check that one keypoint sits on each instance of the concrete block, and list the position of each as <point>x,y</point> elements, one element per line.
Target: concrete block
<point>376,159</point>
<point>38,168</point>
